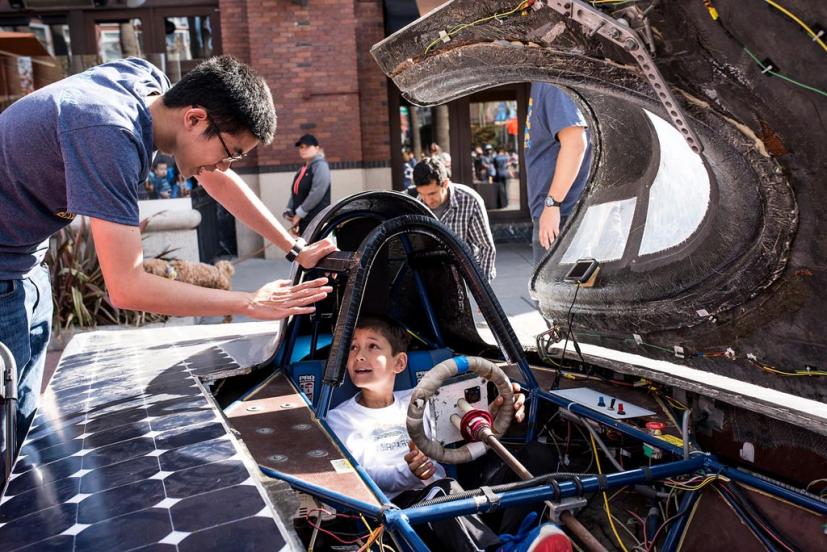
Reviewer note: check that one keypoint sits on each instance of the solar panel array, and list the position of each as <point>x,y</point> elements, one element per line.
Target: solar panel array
<point>128,452</point>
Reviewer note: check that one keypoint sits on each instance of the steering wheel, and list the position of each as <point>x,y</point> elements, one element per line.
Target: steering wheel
<point>432,381</point>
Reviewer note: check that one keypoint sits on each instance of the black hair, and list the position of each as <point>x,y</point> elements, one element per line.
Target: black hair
<point>235,97</point>
<point>395,334</point>
<point>429,170</point>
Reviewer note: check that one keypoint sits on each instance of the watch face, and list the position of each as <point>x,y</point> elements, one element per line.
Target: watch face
<point>550,202</point>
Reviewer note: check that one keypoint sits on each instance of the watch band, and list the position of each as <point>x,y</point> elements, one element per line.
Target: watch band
<point>296,249</point>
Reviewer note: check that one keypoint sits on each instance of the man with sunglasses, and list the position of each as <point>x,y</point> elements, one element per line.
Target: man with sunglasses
<point>84,146</point>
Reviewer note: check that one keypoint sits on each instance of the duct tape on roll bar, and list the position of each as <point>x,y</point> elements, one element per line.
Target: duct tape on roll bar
<point>594,22</point>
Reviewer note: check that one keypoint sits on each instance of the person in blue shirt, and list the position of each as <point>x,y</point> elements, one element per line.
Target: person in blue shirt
<point>490,168</point>
<point>558,154</point>
<point>501,161</point>
<point>84,146</point>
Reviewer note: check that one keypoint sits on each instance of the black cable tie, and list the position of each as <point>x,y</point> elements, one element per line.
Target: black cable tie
<point>647,472</point>
<point>556,488</point>
<point>492,498</point>
<point>578,484</point>
<point>602,483</point>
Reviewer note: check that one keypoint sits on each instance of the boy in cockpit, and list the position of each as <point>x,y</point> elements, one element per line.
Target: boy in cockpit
<point>372,426</point>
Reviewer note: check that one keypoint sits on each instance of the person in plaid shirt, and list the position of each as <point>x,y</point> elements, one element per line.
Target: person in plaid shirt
<point>458,207</point>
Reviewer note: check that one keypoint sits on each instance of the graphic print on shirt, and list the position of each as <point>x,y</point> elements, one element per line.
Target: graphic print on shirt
<point>527,134</point>
<point>389,438</point>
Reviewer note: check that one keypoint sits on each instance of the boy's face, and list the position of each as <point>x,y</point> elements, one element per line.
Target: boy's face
<point>161,170</point>
<point>371,363</point>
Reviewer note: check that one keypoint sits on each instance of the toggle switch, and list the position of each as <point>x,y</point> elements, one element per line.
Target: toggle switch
<point>612,404</point>
<point>620,411</point>
<point>601,402</point>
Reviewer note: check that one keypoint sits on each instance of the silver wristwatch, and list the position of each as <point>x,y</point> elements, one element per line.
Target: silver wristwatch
<point>295,251</point>
<point>551,202</point>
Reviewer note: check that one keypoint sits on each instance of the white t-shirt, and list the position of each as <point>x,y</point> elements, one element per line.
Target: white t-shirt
<point>378,439</point>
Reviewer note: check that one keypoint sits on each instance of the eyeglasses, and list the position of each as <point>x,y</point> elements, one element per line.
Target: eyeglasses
<point>231,157</point>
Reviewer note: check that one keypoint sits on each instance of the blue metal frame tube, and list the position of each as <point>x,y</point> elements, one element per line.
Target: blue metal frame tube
<point>326,495</point>
<point>325,396</point>
<point>398,522</point>
<point>805,501</point>
<point>679,525</point>
<point>611,422</point>
<point>465,506</point>
<point>423,293</point>
<point>533,410</point>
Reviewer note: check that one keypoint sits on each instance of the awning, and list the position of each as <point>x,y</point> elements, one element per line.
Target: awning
<point>21,44</point>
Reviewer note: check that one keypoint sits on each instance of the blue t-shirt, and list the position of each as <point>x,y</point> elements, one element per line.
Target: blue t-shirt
<point>80,146</point>
<point>501,161</point>
<point>550,110</point>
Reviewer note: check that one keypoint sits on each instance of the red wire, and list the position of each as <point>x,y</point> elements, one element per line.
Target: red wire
<point>642,525</point>
<point>328,512</point>
<point>326,532</point>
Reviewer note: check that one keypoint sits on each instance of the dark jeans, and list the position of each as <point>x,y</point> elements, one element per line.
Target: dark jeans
<point>502,192</point>
<point>461,534</point>
<point>25,328</point>
<point>539,252</point>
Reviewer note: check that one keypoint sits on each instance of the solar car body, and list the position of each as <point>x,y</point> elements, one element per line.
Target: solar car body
<point>708,331</point>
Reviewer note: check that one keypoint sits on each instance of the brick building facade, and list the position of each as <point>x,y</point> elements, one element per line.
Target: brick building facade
<point>316,57</point>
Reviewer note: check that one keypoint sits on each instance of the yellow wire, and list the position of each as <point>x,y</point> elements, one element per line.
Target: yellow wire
<point>795,18</point>
<point>667,412</point>
<point>373,534</point>
<point>457,28</point>
<point>800,373</point>
<point>706,481</point>
<point>677,404</point>
<point>606,500</point>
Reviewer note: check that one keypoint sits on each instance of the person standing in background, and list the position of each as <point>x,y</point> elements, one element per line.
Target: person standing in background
<point>558,154</point>
<point>311,186</point>
<point>501,161</point>
<point>458,207</point>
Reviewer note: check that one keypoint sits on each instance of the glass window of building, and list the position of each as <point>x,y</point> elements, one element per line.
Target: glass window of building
<point>119,39</point>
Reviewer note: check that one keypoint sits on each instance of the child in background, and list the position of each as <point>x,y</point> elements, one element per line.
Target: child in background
<point>157,183</point>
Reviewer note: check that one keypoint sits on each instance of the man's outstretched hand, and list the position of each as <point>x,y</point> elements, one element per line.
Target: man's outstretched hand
<point>279,299</point>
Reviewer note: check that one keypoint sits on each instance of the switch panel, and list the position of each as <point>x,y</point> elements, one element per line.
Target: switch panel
<point>618,409</point>
<point>444,403</point>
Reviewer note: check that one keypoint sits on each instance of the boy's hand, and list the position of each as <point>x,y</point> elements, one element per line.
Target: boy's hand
<point>519,404</point>
<point>419,464</point>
